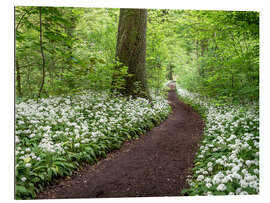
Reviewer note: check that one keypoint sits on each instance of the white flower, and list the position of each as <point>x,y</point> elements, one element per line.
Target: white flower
<point>200,156</point>
<point>32,135</point>
<point>220,161</point>
<point>231,193</point>
<point>243,183</point>
<point>23,179</point>
<point>238,190</point>
<point>237,176</point>
<point>253,184</point>
<point>17,140</point>
<point>243,193</point>
<point>20,122</point>
<point>200,177</point>
<point>221,187</point>
<point>209,193</point>
<point>105,113</point>
<point>208,185</point>
<point>248,163</point>
<point>205,172</point>
<point>244,171</point>
<point>215,149</point>
<point>235,169</point>
<point>250,178</point>
<point>27,165</point>
<point>210,164</point>
<point>256,171</point>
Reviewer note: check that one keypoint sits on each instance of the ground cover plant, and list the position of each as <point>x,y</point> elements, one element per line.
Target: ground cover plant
<point>57,135</point>
<point>227,162</point>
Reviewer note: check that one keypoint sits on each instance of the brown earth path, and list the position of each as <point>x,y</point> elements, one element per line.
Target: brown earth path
<point>156,164</point>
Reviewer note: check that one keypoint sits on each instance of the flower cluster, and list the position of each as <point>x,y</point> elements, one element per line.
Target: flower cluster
<point>227,162</point>
<point>58,134</point>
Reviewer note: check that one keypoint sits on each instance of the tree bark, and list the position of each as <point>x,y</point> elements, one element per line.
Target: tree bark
<point>19,87</point>
<point>131,51</point>
<point>203,45</point>
<point>70,33</point>
<point>42,53</point>
<point>170,72</point>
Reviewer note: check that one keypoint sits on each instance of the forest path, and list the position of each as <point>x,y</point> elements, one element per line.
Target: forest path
<point>156,164</point>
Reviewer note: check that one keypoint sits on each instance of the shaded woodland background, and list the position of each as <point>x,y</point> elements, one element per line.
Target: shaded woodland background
<point>215,53</point>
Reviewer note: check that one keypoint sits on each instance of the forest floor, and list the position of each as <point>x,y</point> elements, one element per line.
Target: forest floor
<point>156,164</point>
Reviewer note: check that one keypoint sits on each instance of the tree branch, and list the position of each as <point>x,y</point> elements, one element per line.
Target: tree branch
<point>26,12</point>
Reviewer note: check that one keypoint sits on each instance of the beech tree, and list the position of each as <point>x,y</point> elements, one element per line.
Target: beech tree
<point>131,52</point>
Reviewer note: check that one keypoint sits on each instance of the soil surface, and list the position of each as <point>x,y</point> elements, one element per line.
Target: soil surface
<point>156,164</point>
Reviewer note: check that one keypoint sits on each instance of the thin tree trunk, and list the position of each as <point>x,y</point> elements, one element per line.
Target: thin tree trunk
<point>203,44</point>
<point>197,50</point>
<point>232,81</point>
<point>170,72</point>
<point>42,54</point>
<point>19,88</point>
<point>28,79</point>
<point>69,29</point>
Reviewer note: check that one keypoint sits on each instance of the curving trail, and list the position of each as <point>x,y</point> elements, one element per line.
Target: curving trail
<point>157,164</point>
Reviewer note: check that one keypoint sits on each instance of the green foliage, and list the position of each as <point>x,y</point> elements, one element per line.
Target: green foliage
<point>157,50</point>
<point>215,53</point>
<point>61,134</point>
<point>227,161</point>
<point>120,73</point>
<point>221,53</point>
<point>79,47</point>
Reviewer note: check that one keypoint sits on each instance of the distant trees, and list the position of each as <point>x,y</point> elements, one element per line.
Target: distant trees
<point>56,43</point>
<point>219,52</point>
<point>40,32</point>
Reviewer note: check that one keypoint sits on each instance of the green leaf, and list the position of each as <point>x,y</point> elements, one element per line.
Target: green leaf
<point>22,189</point>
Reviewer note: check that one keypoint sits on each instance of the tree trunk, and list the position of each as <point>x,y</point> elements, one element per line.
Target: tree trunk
<point>42,54</point>
<point>170,72</point>
<point>70,33</point>
<point>19,87</point>
<point>131,51</point>
<point>203,45</point>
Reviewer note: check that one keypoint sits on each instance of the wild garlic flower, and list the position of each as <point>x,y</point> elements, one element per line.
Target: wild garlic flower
<point>23,179</point>
<point>221,187</point>
<point>28,165</point>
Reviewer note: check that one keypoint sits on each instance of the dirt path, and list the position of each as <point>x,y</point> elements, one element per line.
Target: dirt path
<point>157,164</point>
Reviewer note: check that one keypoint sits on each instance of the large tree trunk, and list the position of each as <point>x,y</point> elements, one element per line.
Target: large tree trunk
<point>131,51</point>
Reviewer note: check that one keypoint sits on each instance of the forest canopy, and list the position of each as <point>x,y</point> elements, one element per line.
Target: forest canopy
<point>215,53</point>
